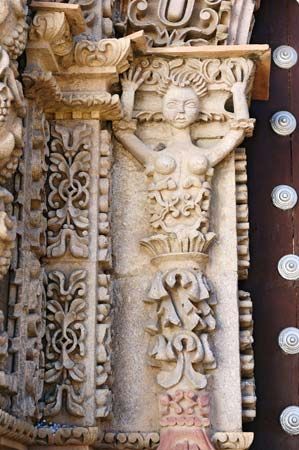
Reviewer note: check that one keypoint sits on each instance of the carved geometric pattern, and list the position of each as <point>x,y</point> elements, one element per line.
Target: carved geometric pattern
<point>185,408</point>
<point>68,198</point>
<point>65,337</point>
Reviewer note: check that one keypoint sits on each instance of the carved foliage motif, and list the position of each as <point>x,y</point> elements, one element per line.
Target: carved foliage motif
<point>65,336</point>
<point>68,198</point>
<point>176,23</point>
<point>183,319</point>
<point>222,73</point>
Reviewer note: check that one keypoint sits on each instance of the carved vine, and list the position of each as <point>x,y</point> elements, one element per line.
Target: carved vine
<point>68,199</point>
<point>65,336</point>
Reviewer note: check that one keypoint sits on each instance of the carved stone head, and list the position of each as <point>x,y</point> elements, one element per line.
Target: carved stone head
<point>181,106</point>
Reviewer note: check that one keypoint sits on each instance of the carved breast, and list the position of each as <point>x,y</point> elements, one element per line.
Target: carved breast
<point>180,191</point>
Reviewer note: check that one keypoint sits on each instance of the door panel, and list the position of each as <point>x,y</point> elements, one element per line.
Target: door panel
<point>274,160</point>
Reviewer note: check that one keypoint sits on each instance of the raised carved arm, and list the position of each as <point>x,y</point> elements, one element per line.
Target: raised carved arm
<point>124,129</point>
<point>241,125</point>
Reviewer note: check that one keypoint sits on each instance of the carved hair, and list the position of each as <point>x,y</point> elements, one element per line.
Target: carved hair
<point>184,78</point>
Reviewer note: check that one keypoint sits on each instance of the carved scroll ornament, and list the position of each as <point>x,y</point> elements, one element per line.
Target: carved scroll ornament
<point>188,22</point>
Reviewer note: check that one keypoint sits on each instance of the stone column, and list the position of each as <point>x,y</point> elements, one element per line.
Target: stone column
<point>70,82</point>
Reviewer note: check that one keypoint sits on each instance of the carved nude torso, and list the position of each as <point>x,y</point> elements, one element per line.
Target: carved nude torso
<point>179,189</point>
<point>180,175</point>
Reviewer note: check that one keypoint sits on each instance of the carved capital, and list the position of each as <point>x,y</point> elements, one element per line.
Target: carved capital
<point>58,67</point>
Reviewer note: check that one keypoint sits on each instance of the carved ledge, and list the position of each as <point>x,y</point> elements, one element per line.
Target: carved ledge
<point>129,440</point>
<point>232,440</point>
<point>67,436</point>
<point>17,430</point>
<point>58,67</point>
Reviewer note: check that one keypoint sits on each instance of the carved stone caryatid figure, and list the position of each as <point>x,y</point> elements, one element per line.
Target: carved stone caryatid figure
<point>180,191</point>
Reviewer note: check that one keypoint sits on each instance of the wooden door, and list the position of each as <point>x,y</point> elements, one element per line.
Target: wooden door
<point>274,160</point>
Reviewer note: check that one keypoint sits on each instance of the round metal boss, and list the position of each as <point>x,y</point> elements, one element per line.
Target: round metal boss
<point>283,123</point>
<point>288,267</point>
<point>288,340</point>
<point>285,56</point>
<point>289,420</point>
<point>284,197</point>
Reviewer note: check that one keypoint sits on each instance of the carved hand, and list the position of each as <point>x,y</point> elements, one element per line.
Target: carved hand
<point>130,82</point>
<point>132,79</point>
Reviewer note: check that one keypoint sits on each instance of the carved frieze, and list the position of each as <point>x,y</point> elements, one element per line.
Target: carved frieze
<point>68,199</point>
<point>124,440</point>
<point>67,436</point>
<point>175,23</point>
<point>65,336</point>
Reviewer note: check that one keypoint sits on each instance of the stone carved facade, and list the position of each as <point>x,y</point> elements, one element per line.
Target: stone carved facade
<point>61,354</point>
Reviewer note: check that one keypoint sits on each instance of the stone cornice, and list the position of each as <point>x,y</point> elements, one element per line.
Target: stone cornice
<point>58,66</point>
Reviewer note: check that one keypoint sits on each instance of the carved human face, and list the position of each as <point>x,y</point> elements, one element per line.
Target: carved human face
<point>180,106</point>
